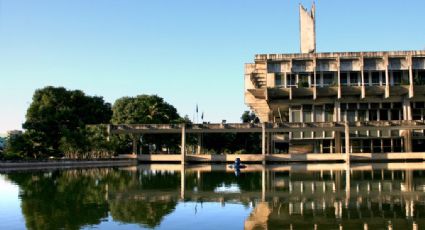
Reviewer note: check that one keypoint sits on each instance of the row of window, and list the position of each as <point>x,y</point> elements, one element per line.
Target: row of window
<point>371,78</point>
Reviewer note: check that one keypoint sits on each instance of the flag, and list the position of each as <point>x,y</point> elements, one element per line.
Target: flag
<point>202,116</point>
<point>196,108</point>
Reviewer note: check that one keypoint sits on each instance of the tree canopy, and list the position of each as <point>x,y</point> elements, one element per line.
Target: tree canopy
<point>144,109</point>
<point>56,113</point>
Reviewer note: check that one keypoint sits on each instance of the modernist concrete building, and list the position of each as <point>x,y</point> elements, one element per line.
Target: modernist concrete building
<point>337,87</point>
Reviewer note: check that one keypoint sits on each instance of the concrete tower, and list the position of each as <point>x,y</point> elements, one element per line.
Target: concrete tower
<point>308,30</point>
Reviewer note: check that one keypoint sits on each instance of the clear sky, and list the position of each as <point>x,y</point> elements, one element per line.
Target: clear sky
<point>186,51</point>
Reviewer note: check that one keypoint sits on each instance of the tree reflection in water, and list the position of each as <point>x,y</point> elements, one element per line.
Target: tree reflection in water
<point>72,199</point>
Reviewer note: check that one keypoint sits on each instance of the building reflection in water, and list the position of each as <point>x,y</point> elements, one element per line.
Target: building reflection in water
<point>314,196</point>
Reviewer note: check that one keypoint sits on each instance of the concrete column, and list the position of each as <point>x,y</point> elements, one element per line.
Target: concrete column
<point>387,79</point>
<point>199,146</point>
<point>135,145</point>
<point>338,142</point>
<point>182,182</point>
<point>285,80</point>
<point>263,138</point>
<point>314,80</point>
<point>363,89</point>
<point>407,135</point>
<point>407,110</point>
<point>263,184</point>
<point>108,131</point>
<point>347,143</point>
<point>411,89</point>
<point>347,185</point>
<point>337,111</point>
<point>339,77</point>
<point>183,144</point>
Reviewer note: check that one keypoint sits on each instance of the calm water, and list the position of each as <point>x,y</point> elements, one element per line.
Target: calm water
<point>211,197</point>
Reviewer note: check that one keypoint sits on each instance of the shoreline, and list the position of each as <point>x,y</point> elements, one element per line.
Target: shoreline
<point>65,164</point>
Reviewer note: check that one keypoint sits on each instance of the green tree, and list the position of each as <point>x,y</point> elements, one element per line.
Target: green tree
<point>145,109</point>
<point>57,117</point>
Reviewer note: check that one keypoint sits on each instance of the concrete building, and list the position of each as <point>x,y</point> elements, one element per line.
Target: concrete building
<point>337,87</point>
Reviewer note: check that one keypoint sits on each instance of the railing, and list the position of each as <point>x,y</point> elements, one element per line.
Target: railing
<point>229,127</point>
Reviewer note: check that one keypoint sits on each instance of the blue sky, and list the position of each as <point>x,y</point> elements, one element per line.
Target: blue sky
<point>188,51</point>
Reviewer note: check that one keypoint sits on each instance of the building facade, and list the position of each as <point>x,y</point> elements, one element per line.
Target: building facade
<point>335,87</point>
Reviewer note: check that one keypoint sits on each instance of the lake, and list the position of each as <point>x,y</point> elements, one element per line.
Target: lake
<point>314,196</point>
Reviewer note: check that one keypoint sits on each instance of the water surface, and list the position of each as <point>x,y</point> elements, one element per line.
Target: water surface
<point>215,197</point>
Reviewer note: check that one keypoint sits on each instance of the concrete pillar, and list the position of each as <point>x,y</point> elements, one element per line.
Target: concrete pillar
<point>263,138</point>
<point>199,146</point>
<point>363,89</point>
<point>338,148</point>
<point>337,111</point>
<point>263,184</point>
<point>314,81</point>
<point>135,145</point>
<point>411,89</point>
<point>407,134</point>
<point>387,78</point>
<point>182,182</point>
<point>339,77</point>
<point>407,110</point>
<point>183,144</point>
<point>347,143</point>
<point>108,131</point>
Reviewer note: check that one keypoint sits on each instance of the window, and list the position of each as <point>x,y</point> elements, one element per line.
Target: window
<point>419,77</point>
<point>307,116</point>
<point>351,115</point>
<point>383,115</point>
<point>395,114</point>
<point>375,78</point>
<point>366,77</point>
<point>354,78</point>
<point>318,114</point>
<point>303,80</point>
<point>373,115</point>
<point>329,112</point>
<point>273,67</point>
<point>417,114</point>
<point>344,78</point>
<point>296,115</point>
<point>364,106</point>
<point>278,80</point>
<point>396,77</point>
<point>291,80</point>
<point>376,145</point>
<point>361,115</point>
<point>328,79</point>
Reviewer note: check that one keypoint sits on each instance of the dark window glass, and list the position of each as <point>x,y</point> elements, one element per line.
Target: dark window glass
<point>373,115</point>
<point>419,105</point>
<point>364,105</point>
<point>397,105</point>
<point>395,114</point>
<point>328,79</point>
<point>354,78</point>
<point>343,78</point>
<point>352,106</point>
<point>383,115</point>
<point>375,78</point>
<point>397,77</point>
<point>374,105</point>
<point>386,105</point>
<point>307,107</point>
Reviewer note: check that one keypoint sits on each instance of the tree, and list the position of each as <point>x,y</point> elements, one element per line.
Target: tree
<point>57,117</point>
<point>249,117</point>
<point>145,109</point>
